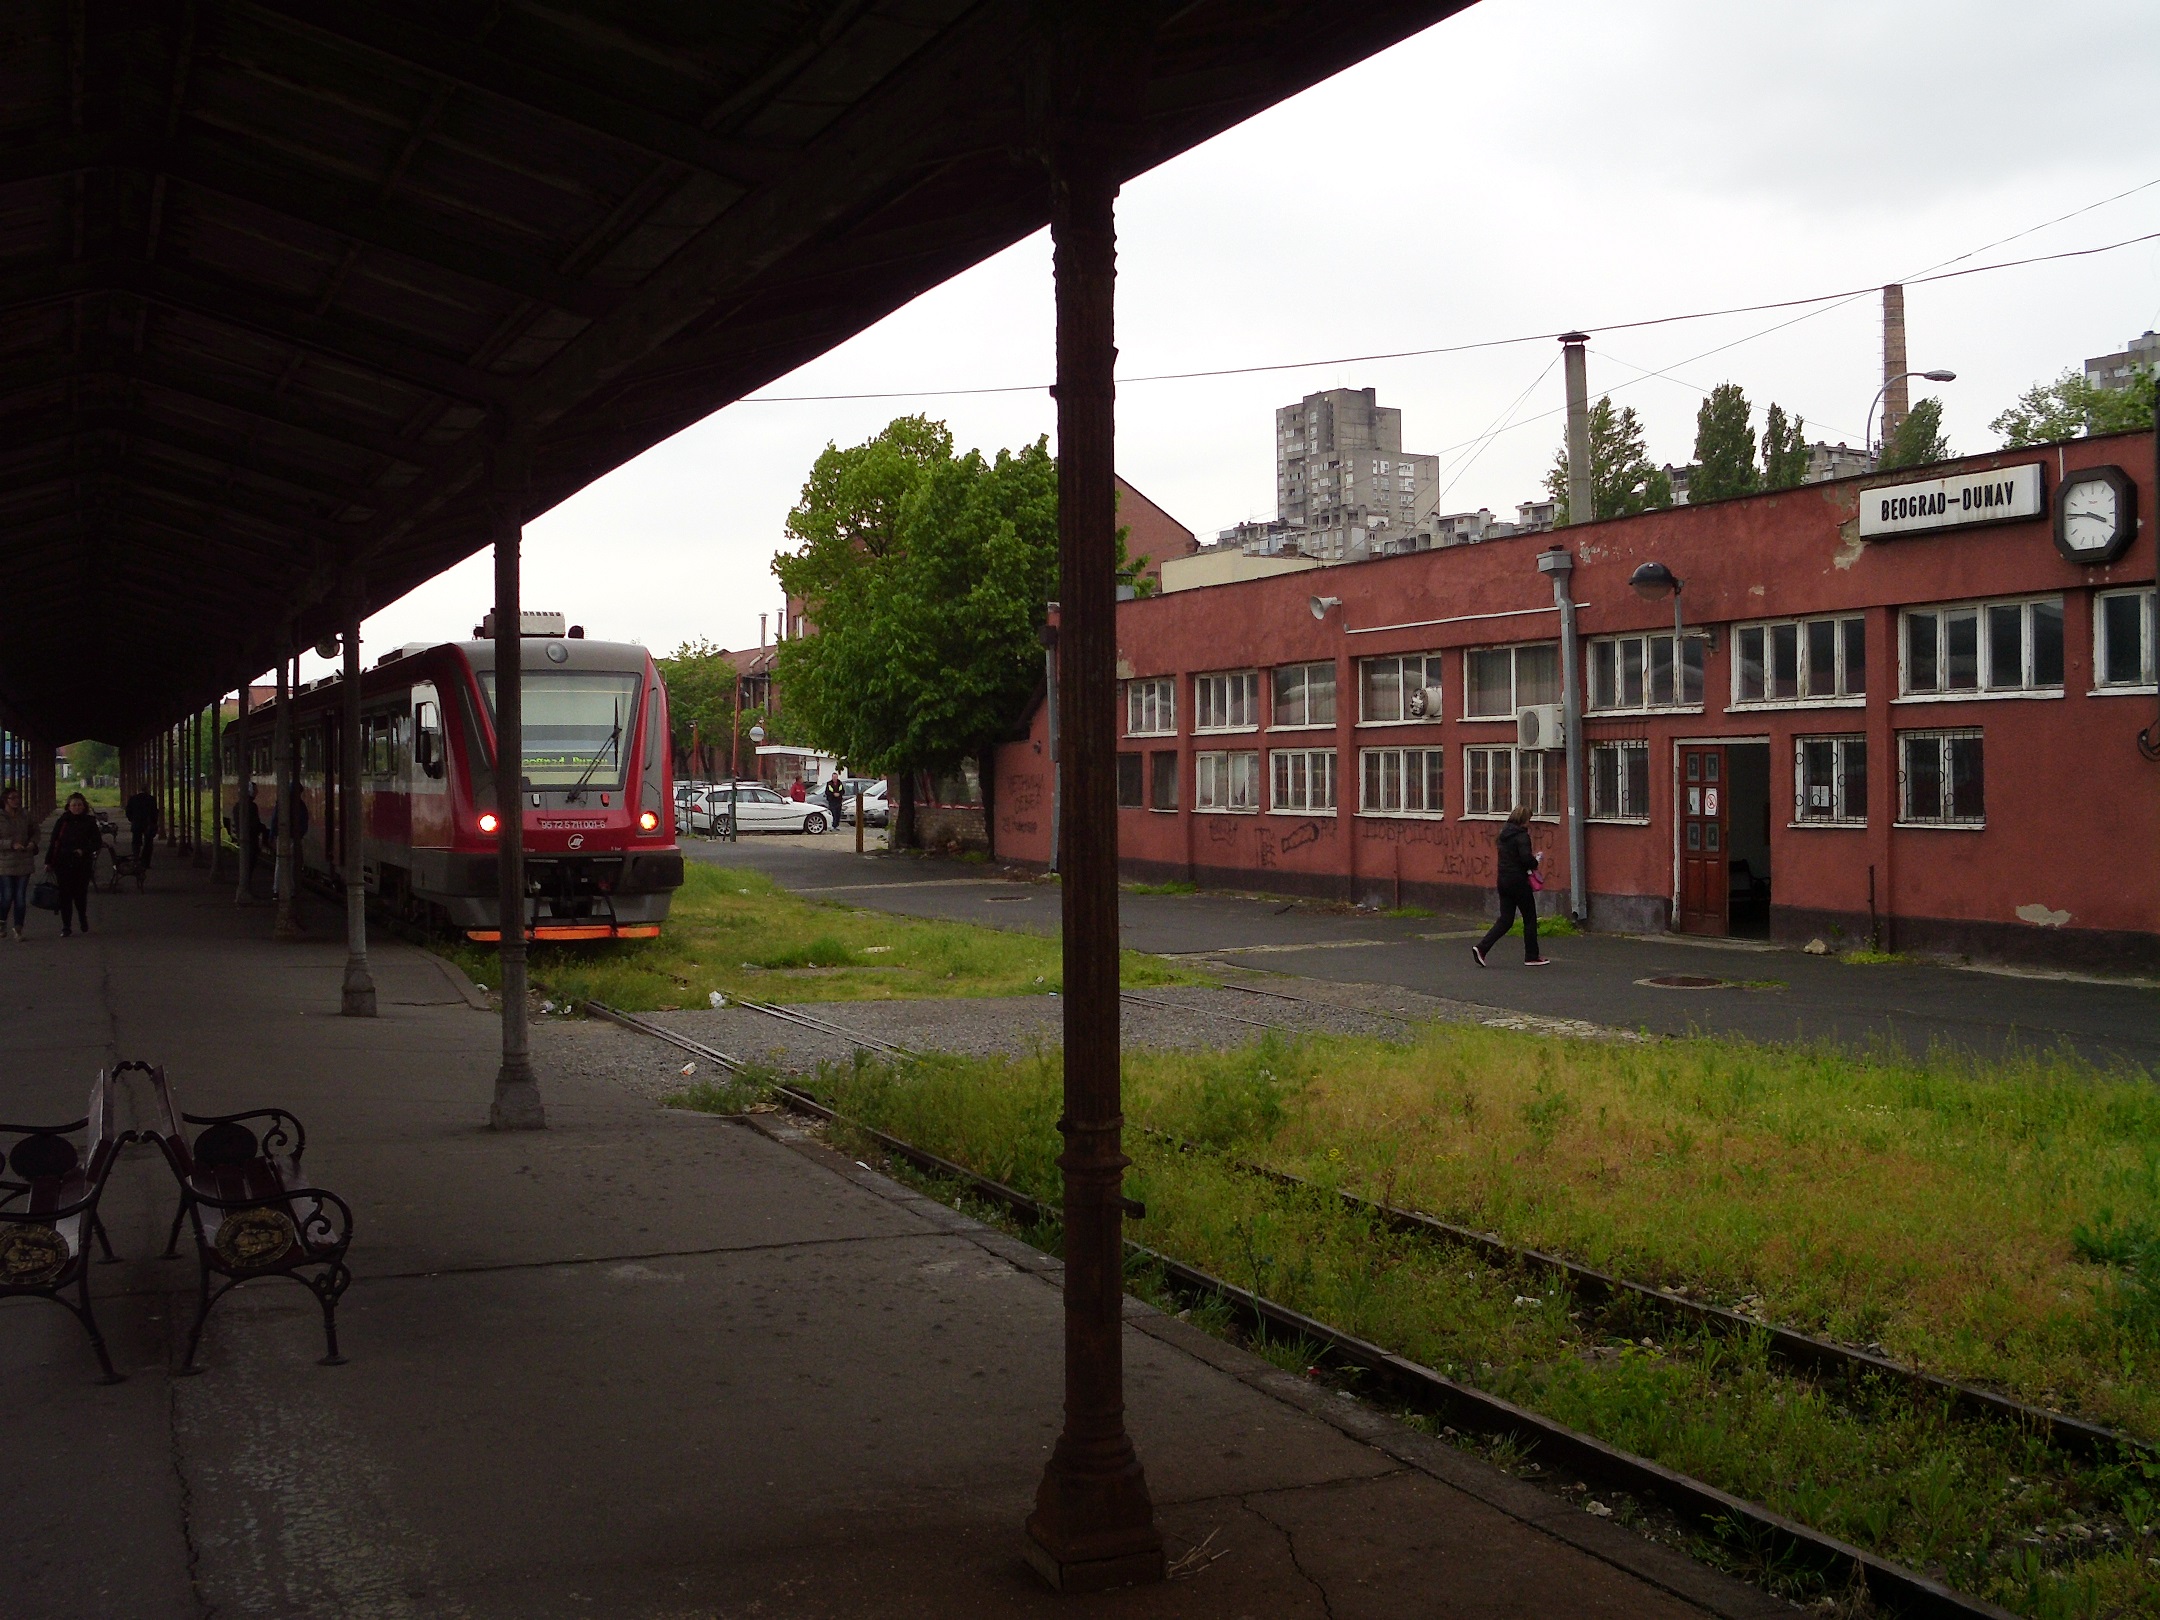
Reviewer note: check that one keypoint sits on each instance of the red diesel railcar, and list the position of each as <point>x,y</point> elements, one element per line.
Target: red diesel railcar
<point>596,791</point>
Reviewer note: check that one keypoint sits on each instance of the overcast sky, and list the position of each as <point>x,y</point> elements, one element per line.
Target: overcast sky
<point>1526,166</point>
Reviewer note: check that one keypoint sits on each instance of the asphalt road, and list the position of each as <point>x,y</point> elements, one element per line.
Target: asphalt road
<point>1771,994</point>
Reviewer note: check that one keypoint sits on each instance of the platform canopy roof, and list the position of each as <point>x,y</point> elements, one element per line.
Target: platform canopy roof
<point>279,277</point>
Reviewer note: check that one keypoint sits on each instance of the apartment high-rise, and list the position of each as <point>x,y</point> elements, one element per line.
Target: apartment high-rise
<point>1340,469</point>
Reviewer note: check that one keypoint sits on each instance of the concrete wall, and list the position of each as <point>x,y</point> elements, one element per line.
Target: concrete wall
<point>2067,867</point>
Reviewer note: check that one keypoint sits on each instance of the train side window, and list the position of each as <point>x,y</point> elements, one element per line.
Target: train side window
<point>427,739</point>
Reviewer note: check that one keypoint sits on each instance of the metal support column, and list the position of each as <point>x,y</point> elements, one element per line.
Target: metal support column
<point>284,876</point>
<point>1093,1524</point>
<point>517,1104</point>
<point>217,783</point>
<point>244,815</point>
<point>359,993</point>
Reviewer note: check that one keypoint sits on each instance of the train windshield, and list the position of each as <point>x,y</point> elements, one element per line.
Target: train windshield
<point>578,726</point>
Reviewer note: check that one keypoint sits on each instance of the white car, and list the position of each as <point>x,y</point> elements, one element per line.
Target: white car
<point>876,808</point>
<point>759,809</point>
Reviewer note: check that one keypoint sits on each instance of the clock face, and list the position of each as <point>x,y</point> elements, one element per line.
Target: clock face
<point>2091,514</point>
<point>2095,515</point>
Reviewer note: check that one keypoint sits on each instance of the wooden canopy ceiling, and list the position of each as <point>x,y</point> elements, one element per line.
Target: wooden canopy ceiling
<point>278,277</point>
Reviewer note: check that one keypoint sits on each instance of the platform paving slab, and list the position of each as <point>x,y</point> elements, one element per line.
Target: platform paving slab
<point>643,1364</point>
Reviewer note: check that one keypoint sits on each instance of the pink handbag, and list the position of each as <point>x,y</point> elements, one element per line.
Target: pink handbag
<point>1537,883</point>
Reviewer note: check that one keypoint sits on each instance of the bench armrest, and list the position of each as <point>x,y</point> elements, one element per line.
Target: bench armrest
<point>325,1225</point>
<point>284,1137</point>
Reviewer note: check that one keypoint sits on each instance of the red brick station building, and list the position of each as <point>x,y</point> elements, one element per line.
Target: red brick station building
<point>1914,709</point>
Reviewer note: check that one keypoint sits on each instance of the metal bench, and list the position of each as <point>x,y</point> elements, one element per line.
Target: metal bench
<point>253,1212</point>
<point>49,1196</point>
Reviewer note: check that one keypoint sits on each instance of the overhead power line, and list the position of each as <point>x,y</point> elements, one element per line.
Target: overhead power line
<point>1845,295</point>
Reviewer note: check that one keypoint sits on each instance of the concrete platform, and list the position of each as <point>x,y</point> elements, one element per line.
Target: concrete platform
<point>644,1364</point>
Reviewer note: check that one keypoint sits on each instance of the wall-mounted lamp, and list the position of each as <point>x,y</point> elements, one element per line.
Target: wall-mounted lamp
<point>1652,580</point>
<point>1321,604</point>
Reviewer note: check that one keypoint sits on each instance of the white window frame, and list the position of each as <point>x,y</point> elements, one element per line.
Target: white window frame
<point>1989,689</point>
<point>1162,689</point>
<point>1603,648</point>
<point>1302,781</point>
<point>1515,650</point>
<point>1627,811</point>
<point>1226,782</point>
<point>1943,737</point>
<point>1434,671</point>
<point>1843,694</point>
<point>1373,761</point>
<point>1305,672</point>
<point>2149,643</point>
<point>1842,811</point>
<point>1539,810</point>
<point>1225,692</point>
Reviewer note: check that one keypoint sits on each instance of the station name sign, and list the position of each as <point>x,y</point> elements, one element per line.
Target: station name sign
<point>2000,495</point>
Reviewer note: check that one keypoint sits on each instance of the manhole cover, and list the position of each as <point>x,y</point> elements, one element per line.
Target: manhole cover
<point>1685,981</point>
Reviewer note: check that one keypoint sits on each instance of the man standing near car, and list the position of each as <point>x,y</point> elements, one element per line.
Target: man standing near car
<point>834,792</point>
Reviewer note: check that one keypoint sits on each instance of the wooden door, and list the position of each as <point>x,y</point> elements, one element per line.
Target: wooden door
<point>1705,879</point>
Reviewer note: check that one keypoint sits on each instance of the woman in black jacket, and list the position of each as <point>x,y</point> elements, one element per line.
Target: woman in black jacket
<point>1517,860</point>
<point>71,857</point>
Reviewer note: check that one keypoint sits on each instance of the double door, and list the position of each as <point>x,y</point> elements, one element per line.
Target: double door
<point>1705,843</point>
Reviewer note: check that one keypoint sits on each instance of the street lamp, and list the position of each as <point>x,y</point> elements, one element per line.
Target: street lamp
<point>734,789</point>
<point>1867,439</point>
<point>1653,580</point>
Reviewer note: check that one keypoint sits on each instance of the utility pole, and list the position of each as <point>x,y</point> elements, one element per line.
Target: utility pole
<point>1560,564</point>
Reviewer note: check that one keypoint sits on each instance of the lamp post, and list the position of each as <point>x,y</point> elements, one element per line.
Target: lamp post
<point>734,788</point>
<point>1867,439</point>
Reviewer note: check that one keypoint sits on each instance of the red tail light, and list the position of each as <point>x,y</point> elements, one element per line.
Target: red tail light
<point>647,821</point>
<point>488,823</point>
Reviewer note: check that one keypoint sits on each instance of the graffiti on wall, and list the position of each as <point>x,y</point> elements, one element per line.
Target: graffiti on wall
<point>1022,802</point>
<point>1461,851</point>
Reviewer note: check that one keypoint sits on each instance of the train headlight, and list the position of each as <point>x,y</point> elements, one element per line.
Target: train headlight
<point>648,820</point>
<point>488,821</point>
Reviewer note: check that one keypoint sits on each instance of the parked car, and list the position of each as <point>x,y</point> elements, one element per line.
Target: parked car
<point>876,809</point>
<point>759,809</point>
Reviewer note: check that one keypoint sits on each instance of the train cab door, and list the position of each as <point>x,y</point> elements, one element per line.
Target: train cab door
<point>1705,878</point>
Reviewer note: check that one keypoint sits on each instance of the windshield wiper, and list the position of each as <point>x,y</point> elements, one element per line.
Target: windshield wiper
<point>613,737</point>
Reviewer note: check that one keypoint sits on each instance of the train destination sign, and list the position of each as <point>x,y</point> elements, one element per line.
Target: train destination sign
<point>1999,495</point>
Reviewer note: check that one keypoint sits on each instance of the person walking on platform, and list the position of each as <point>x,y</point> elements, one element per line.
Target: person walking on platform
<point>142,820</point>
<point>18,860</point>
<point>71,857</point>
<point>1518,884</point>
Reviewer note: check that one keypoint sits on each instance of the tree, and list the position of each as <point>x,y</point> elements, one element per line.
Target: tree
<point>1784,450</point>
<point>2073,406</point>
<point>1919,438</point>
<point>929,577</point>
<point>701,697</point>
<point>1724,448</point>
<point>1622,480</point>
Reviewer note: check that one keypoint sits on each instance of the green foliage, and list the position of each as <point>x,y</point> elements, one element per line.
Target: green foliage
<point>1919,438</point>
<point>93,759</point>
<point>701,696</point>
<point>1622,479</point>
<point>2071,407</point>
<point>928,576</point>
<point>1724,448</point>
<point>1784,449</point>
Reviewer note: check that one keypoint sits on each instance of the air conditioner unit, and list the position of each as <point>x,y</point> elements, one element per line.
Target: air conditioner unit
<point>1538,725</point>
<point>530,623</point>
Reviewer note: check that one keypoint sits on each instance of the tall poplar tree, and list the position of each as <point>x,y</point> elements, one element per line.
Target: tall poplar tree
<point>1919,438</point>
<point>1784,449</point>
<point>1724,448</point>
<point>1622,480</point>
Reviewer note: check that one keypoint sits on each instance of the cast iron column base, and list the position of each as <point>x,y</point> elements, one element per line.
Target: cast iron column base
<point>359,993</point>
<point>1112,1539</point>
<point>517,1106</point>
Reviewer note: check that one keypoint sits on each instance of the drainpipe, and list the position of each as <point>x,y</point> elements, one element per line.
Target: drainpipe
<point>1561,566</point>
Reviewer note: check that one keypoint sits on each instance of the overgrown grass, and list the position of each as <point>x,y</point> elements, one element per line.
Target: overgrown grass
<point>1173,886</point>
<point>735,931</point>
<point>1988,1221</point>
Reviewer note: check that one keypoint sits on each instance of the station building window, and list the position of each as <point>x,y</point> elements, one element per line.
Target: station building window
<point>1162,780</point>
<point>1395,690</point>
<point>1227,702</point>
<point>1620,781</point>
<point>1151,707</point>
<point>1131,781</point>
<point>1495,780</point>
<point>1942,779</point>
<point>1978,649</point>
<point>1227,781</point>
<point>1304,695</point>
<point>1800,661</point>
<point>1499,680</point>
<point>1304,780</point>
<point>2125,636</point>
<point>1636,672</point>
<point>1402,782</point>
<point>1830,781</point>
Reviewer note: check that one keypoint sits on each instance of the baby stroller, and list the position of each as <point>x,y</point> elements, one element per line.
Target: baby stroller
<point>117,861</point>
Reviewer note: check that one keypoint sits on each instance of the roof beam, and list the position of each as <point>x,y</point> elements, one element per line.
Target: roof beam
<point>474,67</point>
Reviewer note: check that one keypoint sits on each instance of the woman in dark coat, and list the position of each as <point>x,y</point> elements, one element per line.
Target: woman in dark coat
<point>71,857</point>
<point>1517,860</point>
